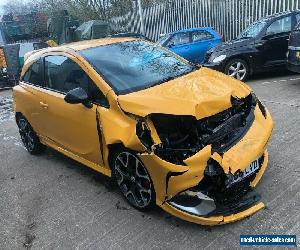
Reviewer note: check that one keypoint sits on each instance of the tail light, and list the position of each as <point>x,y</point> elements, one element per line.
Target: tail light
<point>223,38</point>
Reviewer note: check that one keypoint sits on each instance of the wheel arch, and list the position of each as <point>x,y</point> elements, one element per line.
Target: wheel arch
<point>18,115</point>
<point>111,150</point>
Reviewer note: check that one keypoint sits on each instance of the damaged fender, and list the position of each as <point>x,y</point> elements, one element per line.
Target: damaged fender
<point>169,179</point>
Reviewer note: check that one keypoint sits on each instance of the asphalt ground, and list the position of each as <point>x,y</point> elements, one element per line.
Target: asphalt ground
<point>52,202</point>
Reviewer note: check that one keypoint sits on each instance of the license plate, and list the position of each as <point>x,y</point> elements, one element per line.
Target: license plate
<point>247,172</point>
<point>298,54</point>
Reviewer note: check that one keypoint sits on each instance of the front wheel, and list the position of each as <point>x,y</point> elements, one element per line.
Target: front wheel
<point>133,179</point>
<point>238,69</point>
<point>29,137</point>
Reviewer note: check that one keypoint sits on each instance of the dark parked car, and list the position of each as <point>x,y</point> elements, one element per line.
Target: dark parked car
<point>293,63</point>
<point>260,47</point>
<point>191,44</point>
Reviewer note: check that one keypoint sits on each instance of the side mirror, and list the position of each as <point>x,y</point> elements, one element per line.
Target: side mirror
<point>171,45</point>
<point>78,95</point>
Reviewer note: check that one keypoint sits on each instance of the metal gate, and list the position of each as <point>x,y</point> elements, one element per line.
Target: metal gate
<point>229,17</point>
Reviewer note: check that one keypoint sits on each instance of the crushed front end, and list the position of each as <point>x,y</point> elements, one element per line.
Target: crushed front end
<point>204,171</point>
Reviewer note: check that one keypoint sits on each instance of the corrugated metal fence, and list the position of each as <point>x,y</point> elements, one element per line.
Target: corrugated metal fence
<point>229,17</point>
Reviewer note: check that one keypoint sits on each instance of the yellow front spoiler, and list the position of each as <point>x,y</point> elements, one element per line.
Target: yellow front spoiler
<point>214,220</point>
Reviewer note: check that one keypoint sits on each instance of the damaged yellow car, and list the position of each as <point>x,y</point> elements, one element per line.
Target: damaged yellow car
<point>189,139</point>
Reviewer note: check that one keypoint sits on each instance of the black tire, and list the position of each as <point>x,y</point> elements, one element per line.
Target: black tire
<point>29,138</point>
<point>237,68</point>
<point>132,179</point>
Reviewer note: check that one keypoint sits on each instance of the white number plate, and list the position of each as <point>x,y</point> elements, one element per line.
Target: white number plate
<point>248,171</point>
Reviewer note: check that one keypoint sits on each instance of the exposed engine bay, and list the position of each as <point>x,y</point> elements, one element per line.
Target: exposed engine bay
<point>184,136</point>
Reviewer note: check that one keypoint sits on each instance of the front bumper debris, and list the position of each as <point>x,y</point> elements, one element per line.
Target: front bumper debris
<point>207,212</point>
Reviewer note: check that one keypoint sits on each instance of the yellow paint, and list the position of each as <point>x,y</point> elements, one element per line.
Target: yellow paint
<point>262,170</point>
<point>2,59</point>
<point>251,146</point>
<point>184,95</point>
<point>213,220</point>
<point>72,129</point>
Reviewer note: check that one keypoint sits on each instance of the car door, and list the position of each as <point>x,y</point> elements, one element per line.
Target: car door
<point>180,44</point>
<point>273,45</point>
<point>32,83</point>
<point>72,127</point>
<point>293,56</point>
<point>295,35</point>
<point>201,42</point>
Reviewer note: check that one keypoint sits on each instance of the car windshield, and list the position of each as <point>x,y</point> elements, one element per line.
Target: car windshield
<point>135,65</point>
<point>253,30</point>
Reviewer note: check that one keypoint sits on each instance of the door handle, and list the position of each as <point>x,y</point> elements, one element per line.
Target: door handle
<point>44,105</point>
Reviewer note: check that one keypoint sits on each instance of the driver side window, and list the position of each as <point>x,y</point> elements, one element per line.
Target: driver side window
<point>280,26</point>
<point>62,75</point>
<point>201,35</point>
<point>298,22</point>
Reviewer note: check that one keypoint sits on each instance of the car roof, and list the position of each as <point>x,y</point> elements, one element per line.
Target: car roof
<point>78,46</point>
<point>192,29</point>
<point>276,15</point>
<point>86,44</point>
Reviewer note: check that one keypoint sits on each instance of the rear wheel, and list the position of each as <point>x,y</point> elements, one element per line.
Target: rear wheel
<point>238,69</point>
<point>133,179</point>
<point>29,137</point>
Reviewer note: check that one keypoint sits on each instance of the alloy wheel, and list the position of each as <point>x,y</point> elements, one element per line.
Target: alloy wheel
<point>237,70</point>
<point>133,179</point>
<point>27,134</point>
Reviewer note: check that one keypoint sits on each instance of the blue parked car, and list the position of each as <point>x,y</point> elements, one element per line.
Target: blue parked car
<point>192,44</point>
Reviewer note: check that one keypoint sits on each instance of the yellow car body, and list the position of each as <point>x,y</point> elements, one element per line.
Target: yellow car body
<point>2,59</point>
<point>88,135</point>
